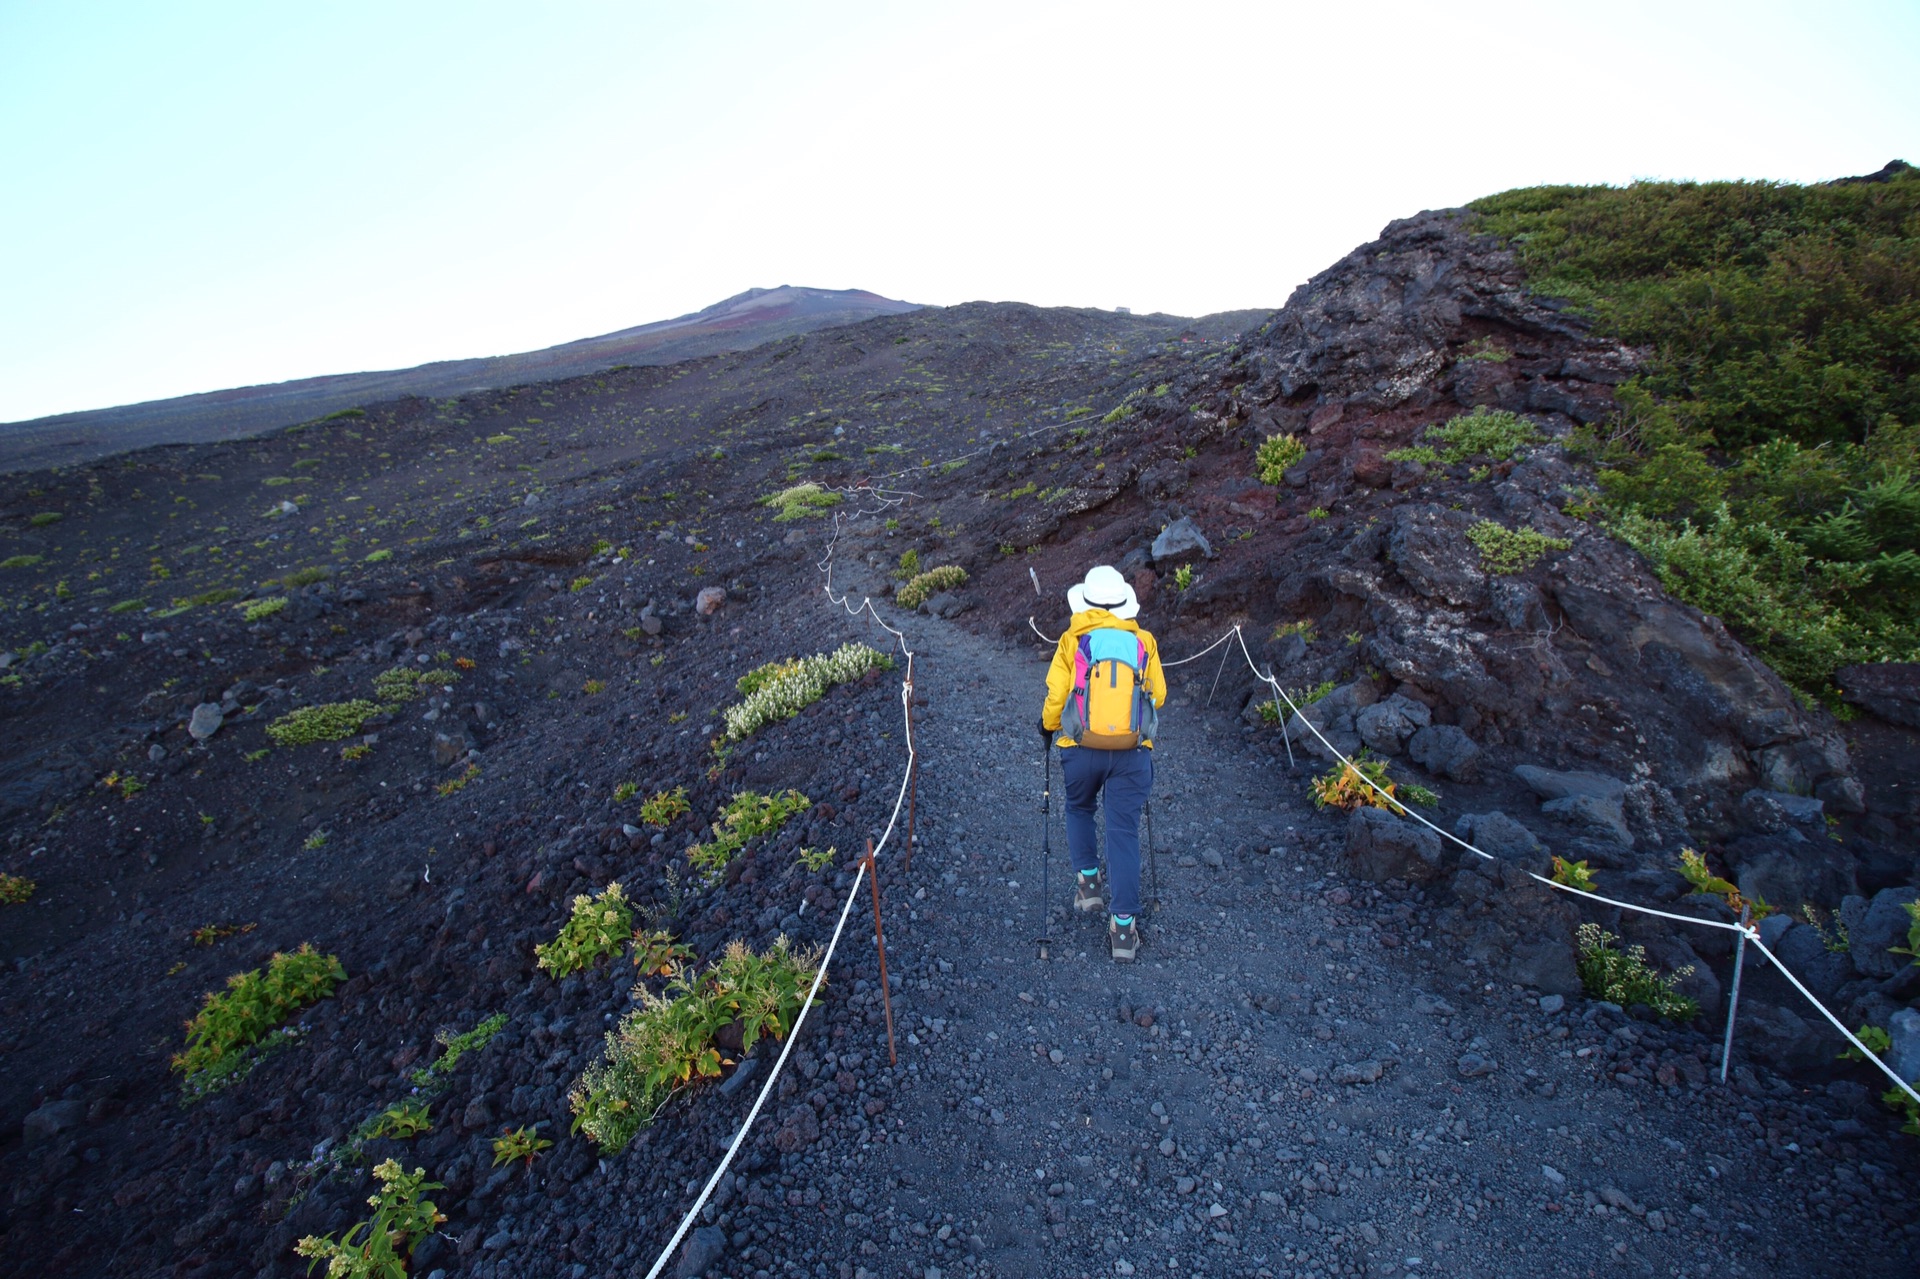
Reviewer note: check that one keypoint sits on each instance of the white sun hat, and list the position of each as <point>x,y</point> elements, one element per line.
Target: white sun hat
<point>1104,588</point>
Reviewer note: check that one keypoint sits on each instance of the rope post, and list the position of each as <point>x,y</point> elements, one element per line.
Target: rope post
<point>1733,1000</point>
<point>880,941</point>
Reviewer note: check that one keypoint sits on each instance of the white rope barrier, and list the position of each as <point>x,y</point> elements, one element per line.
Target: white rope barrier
<point>1751,933</point>
<point>793,1036</point>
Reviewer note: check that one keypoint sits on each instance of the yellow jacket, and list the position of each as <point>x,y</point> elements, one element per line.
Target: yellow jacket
<point>1060,674</point>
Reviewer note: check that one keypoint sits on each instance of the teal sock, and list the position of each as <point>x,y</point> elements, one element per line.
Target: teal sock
<point>1090,874</point>
<point>1123,921</point>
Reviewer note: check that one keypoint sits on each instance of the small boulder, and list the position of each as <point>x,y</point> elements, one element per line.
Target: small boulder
<point>1888,690</point>
<point>701,1252</point>
<point>1882,926</point>
<point>1445,750</point>
<point>1380,847</point>
<point>1903,1028</point>
<point>1603,816</point>
<point>1500,835</point>
<point>50,1120</point>
<point>205,721</point>
<point>1386,726</point>
<point>449,748</point>
<point>709,600</point>
<point>1772,810</point>
<point>1549,784</point>
<point>1182,537</point>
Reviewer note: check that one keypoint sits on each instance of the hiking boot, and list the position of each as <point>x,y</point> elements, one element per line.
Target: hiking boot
<point>1086,894</point>
<point>1124,940</point>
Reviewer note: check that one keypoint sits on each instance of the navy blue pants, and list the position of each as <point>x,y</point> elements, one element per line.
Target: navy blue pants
<point>1124,778</point>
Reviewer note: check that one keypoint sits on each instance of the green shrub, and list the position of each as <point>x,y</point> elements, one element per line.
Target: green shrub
<point>521,1143</point>
<point>127,606</point>
<point>1119,413</point>
<point>304,577</point>
<point>1624,977</point>
<point>1346,786</point>
<point>45,518</point>
<point>1511,550</point>
<point>599,926</point>
<point>780,690</point>
<point>401,1121</point>
<point>15,889</point>
<point>227,1035</point>
<point>432,1076</point>
<point>378,1248</point>
<point>404,683</point>
<point>1490,433</point>
<point>1780,387</point>
<point>22,561</point>
<point>666,1044</point>
<point>746,816</point>
<point>325,723</point>
<point>261,610</point>
<point>800,501</point>
<point>380,556</point>
<point>928,584</point>
<point>1277,455</point>
<point>664,806</point>
<point>342,414</point>
<point>909,565</point>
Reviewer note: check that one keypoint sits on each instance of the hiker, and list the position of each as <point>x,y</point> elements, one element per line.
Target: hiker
<point>1103,690</point>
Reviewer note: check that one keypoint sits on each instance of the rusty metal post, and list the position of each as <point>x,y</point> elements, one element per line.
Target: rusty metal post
<point>880,941</point>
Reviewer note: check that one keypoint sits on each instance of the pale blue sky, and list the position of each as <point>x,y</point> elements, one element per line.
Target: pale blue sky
<point>200,195</point>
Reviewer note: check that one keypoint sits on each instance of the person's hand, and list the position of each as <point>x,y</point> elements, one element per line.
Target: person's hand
<point>1045,731</point>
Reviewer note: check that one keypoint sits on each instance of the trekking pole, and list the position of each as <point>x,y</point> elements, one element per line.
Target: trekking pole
<point>1153,862</point>
<point>1046,839</point>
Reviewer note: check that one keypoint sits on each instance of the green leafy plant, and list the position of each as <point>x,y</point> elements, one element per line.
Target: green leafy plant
<point>1119,413</point>
<point>667,1043</point>
<point>261,610</point>
<point>328,722</point>
<point>599,926</point>
<point>402,1120</point>
<point>1572,874</point>
<point>432,1077</point>
<point>1304,628</point>
<point>816,859</point>
<point>226,1037</point>
<point>1414,793</point>
<point>800,501</point>
<point>44,518</point>
<point>1276,455</point>
<point>579,584</point>
<point>15,889</point>
<point>315,842</point>
<point>928,584</point>
<point>664,806</point>
<point>1831,928</point>
<point>780,690</point>
<point>22,561</point>
<point>518,1144</point>
<point>1625,977</point>
<point>1913,932</point>
<point>1878,1042</point>
<point>593,686</point>
<point>625,791</point>
<point>1485,349</point>
<point>1504,550</point>
<point>1693,869</point>
<point>357,751</point>
<point>1183,578</point>
<point>127,606</point>
<point>380,556</point>
<point>1317,513</point>
<point>378,1248</point>
<point>657,954</point>
<point>404,683</point>
<point>746,816</point>
<point>1025,490</point>
<point>304,577</point>
<point>1347,786</point>
<point>909,565</point>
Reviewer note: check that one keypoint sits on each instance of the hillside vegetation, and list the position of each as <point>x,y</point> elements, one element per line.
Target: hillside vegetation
<point>1764,461</point>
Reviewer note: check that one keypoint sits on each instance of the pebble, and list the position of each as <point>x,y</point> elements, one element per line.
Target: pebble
<point>1553,1174</point>
<point>205,721</point>
<point>1471,1064</point>
<point>1552,1003</point>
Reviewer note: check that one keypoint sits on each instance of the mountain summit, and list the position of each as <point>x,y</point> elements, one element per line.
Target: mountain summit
<point>744,320</point>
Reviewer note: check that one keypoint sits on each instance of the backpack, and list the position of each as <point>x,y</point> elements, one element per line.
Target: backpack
<point>1109,708</point>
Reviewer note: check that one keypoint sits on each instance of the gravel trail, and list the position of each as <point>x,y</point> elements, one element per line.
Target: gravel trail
<point>1290,1081</point>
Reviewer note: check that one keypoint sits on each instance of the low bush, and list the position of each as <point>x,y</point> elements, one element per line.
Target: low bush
<point>800,501</point>
<point>378,1248</point>
<point>1277,455</point>
<point>45,518</point>
<point>1624,977</point>
<point>400,1121</point>
<point>1511,550</point>
<point>1572,874</point>
<point>261,610</point>
<point>667,1042</point>
<point>747,816</point>
<point>1693,869</point>
<point>22,561</point>
<point>518,1144</point>
<point>304,577</point>
<point>431,1078</point>
<point>599,926</point>
<point>780,690</point>
<point>127,606</point>
<point>664,806</point>
<point>15,889</point>
<point>328,722</point>
<point>1346,786</point>
<point>225,1038</point>
<point>925,586</point>
<point>404,683</point>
